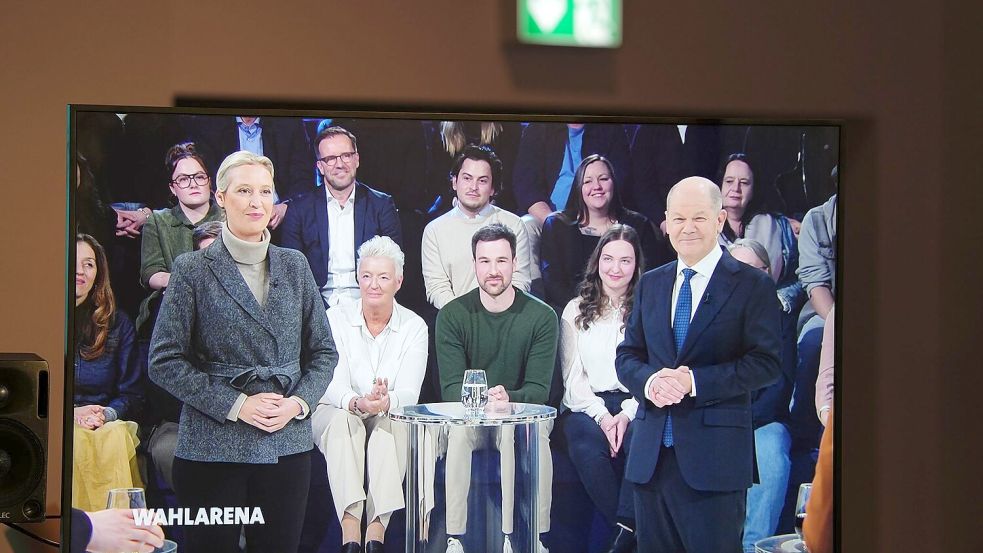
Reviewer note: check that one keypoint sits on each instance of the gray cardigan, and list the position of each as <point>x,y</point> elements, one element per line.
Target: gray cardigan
<point>213,340</point>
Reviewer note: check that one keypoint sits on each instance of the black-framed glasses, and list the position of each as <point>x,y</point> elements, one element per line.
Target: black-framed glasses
<point>331,161</point>
<point>184,181</point>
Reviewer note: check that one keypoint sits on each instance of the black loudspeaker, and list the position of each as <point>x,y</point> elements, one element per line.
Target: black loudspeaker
<point>23,436</point>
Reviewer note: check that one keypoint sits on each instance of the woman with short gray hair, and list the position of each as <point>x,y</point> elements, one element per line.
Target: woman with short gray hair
<point>383,359</point>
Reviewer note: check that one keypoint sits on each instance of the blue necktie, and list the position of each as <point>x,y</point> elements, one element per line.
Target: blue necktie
<point>680,325</point>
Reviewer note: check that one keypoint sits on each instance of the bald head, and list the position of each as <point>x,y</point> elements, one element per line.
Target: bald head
<point>692,188</point>
<point>694,218</point>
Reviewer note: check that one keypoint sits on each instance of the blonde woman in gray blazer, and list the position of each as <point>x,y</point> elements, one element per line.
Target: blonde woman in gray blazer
<point>243,341</point>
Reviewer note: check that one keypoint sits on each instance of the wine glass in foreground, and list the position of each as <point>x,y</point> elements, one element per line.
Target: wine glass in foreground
<point>126,498</point>
<point>474,391</point>
<point>800,507</point>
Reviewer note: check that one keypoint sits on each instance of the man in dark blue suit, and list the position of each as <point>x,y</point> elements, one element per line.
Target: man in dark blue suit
<point>329,227</point>
<point>704,334</point>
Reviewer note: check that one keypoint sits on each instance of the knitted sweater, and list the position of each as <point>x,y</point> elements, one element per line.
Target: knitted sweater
<point>448,266</point>
<point>516,348</point>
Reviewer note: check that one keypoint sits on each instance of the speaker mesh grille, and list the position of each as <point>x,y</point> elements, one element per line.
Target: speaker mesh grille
<point>26,462</point>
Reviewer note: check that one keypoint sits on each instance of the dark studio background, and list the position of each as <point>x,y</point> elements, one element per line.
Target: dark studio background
<point>904,77</point>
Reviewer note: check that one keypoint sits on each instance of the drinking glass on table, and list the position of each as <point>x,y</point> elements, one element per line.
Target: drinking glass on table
<point>474,391</point>
<point>800,507</point>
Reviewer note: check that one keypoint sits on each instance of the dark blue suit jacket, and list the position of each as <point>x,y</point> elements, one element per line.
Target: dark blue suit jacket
<point>733,348</point>
<point>305,227</point>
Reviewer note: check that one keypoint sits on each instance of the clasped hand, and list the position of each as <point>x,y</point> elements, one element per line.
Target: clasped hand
<point>614,428</point>
<point>269,411</point>
<point>90,417</point>
<point>377,400</point>
<point>670,386</point>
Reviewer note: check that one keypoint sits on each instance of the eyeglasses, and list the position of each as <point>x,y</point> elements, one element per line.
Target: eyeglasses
<point>184,181</point>
<point>345,158</point>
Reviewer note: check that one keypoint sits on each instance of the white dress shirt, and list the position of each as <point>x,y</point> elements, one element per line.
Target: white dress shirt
<point>587,362</point>
<point>698,285</point>
<point>342,283</point>
<point>398,353</point>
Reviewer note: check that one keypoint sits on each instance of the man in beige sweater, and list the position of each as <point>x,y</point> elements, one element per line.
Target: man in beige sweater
<point>448,269</point>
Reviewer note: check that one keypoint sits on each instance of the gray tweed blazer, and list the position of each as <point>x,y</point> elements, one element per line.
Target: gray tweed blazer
<point>213,340</point>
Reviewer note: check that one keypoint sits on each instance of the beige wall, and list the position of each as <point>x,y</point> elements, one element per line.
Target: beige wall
<point>883,70</point>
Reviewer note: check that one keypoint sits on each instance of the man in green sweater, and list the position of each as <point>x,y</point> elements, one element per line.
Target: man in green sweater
<point>511,336</point>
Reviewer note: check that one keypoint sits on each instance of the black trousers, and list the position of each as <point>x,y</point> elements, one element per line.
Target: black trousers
<point>602,476</point>
<point>675,518</point>
<point>280,490</point>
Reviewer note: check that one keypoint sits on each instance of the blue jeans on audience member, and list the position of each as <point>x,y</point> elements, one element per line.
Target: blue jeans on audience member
<point>804,425</point>
<point>765,499</point>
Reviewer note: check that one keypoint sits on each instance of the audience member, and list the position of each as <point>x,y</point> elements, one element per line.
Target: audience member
<point>328,229</point>
<point>769,414</point>
<point>109,384</point>
<point>549,154</point>
<point>448,273</point>
<point>569,236</point>
<point>448,139</point>
<point>167,232</point>
<point>694,380</point>
<point>753,212</point>
<point>242,340</point>
<point>817,271</point>
<point>206,233</point>
<point>662,155</point>
<point>282,139</point>
<point>599,408</point>
<point>513,338</point>
<point>383,357</point>
<point>827,359</point>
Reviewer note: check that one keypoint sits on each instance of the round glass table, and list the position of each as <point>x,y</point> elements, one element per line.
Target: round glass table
<point>787,543</point>
<point>478,478</point>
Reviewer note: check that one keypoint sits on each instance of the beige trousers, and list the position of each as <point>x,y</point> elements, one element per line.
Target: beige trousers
<point>348,443</point>
<point>461,442</point>
<point>534,230</point>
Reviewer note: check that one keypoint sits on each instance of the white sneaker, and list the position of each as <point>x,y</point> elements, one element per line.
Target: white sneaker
<point>507,546</point>
<point>541,548</point>
<point>454,546</point>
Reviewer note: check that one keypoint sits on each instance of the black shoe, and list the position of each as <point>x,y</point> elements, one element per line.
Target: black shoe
<point>623,542</point>
<point>351,547</point>
<point>373,546</point>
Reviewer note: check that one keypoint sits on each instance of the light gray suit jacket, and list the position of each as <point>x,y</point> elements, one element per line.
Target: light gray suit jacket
<point>213,340</point>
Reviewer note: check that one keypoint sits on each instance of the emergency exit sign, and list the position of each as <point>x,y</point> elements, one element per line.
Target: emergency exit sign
<point>590,23</point>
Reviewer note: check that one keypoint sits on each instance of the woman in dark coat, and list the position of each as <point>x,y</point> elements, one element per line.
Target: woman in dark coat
<point>569,236</point>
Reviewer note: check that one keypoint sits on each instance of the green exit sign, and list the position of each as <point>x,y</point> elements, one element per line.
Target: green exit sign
<point>591,23</point>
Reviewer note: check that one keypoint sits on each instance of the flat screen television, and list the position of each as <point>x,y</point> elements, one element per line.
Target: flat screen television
<point>143,181</point>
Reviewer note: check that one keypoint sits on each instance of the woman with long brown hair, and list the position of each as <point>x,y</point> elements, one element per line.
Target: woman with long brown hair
<point>108,382</point>
<point>569,236</point>
<point>598,408</point>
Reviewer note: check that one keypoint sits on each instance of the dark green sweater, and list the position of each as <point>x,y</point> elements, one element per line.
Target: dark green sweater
<point>516,348</point>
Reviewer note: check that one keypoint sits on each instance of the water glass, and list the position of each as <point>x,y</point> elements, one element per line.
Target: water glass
<point>474,391</point>
<point>800,507</point>
<point>126,498</point>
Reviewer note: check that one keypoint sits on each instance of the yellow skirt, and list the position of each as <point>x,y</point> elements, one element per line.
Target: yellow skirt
<point>103,459</point>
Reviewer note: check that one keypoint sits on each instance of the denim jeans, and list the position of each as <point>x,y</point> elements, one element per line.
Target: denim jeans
<point>765,499</point>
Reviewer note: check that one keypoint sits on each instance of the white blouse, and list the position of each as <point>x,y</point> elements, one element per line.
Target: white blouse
<point>587,361</point>
<point>398,353</point>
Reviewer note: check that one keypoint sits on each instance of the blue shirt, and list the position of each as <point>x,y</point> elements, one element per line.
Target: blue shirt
<point>114,379</point>
<point>251,136</point>
<point>571,159</point>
